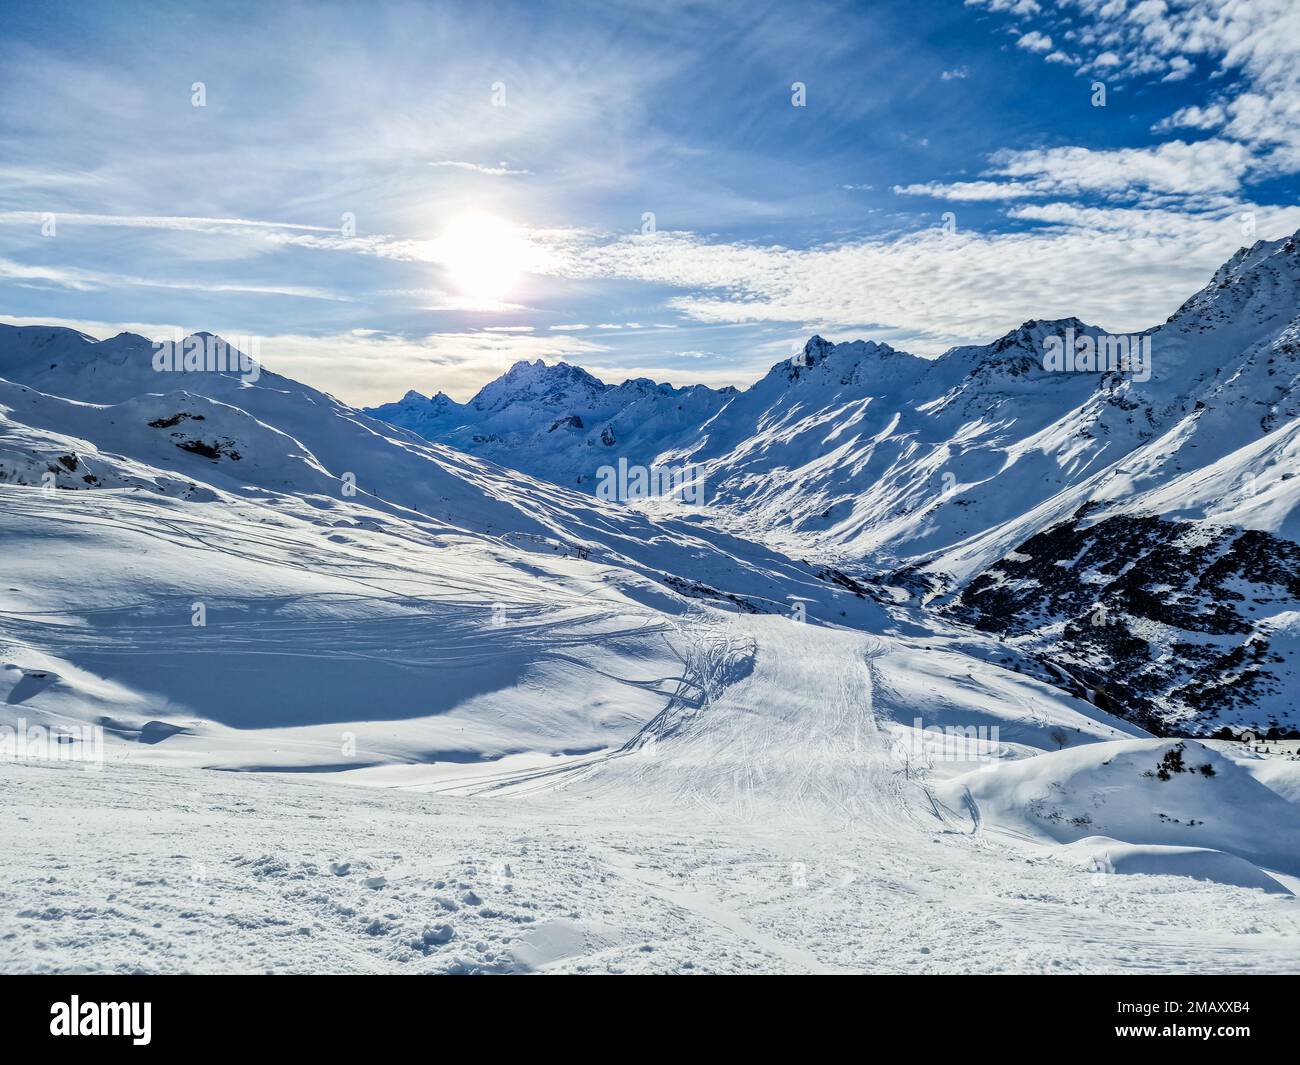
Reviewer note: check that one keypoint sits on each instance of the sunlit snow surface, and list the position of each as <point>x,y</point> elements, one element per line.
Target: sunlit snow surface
<point>372,704</point>
<point>774,815</point>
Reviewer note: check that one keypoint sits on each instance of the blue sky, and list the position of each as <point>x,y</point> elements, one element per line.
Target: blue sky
<point>500,159</point>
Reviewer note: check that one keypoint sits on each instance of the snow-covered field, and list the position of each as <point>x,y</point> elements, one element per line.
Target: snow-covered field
<point>142,868</point>
<point>779,815</point>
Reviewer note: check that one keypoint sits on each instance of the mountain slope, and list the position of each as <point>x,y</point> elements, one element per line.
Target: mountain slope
<point>236,572</point>
<point>269,571</point>
<point>933,480</point>
<point>868,456</point>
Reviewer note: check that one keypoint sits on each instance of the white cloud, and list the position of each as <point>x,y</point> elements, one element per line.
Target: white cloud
<point>494,171</point>
<point>86,280</point>
<point>1013,7</point>
<point>1123,268</point>
<point>1193,117</point>
<point>1175,168</point>
<point>1033,41</point>
<point>969,191</point>
<point>1254,47</point>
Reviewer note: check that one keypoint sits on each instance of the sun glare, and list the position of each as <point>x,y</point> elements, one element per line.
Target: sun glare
<point>483,255</point>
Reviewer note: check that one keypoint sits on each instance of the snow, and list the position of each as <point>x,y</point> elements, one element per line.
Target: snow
<point>140,868</point>
<point>856,452</point>
<point>1117,789</point>
<point>374,703</point>
<point>1100,854</point>
<point>772,826</point>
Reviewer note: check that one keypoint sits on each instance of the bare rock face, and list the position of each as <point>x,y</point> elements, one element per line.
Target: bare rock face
<point>1169,623</point>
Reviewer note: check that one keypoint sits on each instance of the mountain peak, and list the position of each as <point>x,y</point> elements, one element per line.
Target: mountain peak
<point>1256,288</point>
<point>537,381</point>
<point>1036,328</point>
<point>540,369</point>
<point>817,348</point>
<point>1017,352</point>
<point>848,360</point>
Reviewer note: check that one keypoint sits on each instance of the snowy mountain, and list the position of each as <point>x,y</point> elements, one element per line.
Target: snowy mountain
<point>837,658</point>
<point>934,477</point>
<point>886,459</point>
<point>185,488</point>
<point>566,420</point>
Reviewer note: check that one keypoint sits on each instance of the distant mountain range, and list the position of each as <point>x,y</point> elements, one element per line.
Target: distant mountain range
<point>1136,526</point>
<point>1129,535</point>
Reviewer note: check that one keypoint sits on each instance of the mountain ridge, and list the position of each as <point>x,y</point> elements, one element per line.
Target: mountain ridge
<point>926,476</point>
<point>880,487</point>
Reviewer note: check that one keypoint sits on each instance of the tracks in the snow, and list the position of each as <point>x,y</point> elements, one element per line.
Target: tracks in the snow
<point>770,718</point>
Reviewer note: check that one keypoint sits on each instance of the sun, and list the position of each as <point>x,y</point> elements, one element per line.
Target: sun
<point>483,255</point>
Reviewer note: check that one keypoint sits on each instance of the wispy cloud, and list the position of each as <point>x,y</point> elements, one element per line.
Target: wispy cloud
<point>1125,268</point>
<point>971,191</point>
<point>169,222</point>
<point>494,171</point>
<point>85,280</point>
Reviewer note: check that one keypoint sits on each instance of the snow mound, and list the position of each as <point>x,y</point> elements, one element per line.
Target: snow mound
<point>1101,854</point>
<point>1177,793</point>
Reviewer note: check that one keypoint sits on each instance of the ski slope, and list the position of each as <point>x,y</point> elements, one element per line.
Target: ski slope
<point>750,836</point>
